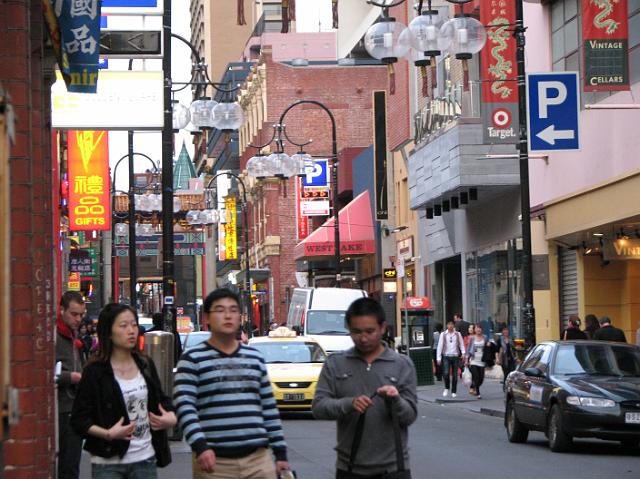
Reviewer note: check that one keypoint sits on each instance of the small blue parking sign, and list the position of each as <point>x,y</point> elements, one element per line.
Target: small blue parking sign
<point>317,175</point>
<point>553,109</point>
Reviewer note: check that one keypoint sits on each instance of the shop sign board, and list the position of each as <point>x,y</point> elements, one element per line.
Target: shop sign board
<point>404,249</point>
<point>230,230</point>
<point>88,158</point>
<point>79,262</point>
<point>74,281</point>
<point>132,7</point>
<point>389,274</point>
<point>605,37</point>
<point>314,207</point>
<point>302,222</point>
<point>553,105</point>
<point>622,249</point>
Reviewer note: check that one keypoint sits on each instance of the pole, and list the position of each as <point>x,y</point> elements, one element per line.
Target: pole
<point>168,281</point>
<point>334,178</point>
<point>133,273</point>
<point>528,313</point>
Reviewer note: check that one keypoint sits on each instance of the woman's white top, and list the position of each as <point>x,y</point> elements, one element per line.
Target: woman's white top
<point>134,392</point>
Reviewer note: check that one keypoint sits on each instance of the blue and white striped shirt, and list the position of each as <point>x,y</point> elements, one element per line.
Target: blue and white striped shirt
<point>225,402</point>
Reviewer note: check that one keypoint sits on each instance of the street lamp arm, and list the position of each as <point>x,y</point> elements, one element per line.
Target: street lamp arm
<point>299,145</point>
<point>115,168</point>
<point>260,147</point>
<point>233,175</point>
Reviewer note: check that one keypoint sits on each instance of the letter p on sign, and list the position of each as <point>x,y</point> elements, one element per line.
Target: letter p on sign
<point>544,100</point>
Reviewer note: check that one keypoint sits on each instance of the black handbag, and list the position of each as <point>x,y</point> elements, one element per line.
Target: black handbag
<point>401,472</point>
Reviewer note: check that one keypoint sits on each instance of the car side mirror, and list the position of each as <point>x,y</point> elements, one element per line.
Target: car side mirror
<point>533,372</point>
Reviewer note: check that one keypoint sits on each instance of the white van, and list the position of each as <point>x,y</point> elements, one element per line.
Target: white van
<point>319,313</point>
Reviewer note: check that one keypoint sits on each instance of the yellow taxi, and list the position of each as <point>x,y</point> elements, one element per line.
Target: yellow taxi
<point>294,364</point>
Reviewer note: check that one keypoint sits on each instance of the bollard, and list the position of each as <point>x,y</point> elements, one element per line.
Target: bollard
<point>158,345</point>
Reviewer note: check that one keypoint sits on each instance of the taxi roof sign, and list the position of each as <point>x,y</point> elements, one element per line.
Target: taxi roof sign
<point>282,332</point>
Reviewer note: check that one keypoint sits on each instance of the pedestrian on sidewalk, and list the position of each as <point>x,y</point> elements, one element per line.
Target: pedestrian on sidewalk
<point>480,355</point>
<point>120,408</point>
<point>69,356</point>
<point>363,388</point>
<point>573,330</point>
<point>608,332</point>
<point>225,402</point>
<point>506,353</point>
<point>436,339</point>
<point>450,350</point>
<point>591,325</point>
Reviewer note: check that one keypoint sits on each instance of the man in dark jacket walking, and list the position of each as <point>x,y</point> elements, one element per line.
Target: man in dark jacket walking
<point>607,332</point>
<point>68,348</point>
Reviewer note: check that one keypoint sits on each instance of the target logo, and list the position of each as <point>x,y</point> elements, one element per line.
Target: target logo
<point>501,118</point>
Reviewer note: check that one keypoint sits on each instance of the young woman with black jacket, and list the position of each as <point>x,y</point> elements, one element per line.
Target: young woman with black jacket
<point>120,408</point>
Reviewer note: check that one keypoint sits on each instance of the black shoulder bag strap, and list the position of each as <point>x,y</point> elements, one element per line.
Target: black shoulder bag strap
<point>396,436</point>
<point>357,437</point>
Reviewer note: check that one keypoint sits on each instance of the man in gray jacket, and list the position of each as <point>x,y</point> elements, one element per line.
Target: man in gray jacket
<point>362,380</point>
<point>68,355</point>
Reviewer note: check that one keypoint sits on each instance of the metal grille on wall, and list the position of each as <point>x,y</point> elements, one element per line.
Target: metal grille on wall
<point>568,270</point>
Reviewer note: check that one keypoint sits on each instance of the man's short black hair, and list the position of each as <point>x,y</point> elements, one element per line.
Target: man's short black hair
<point>157,320</point>
<point>365,307</point>
<point>450,320</point>
<point>218,294</point>
<point>71,297</point>
<point>605,320</point>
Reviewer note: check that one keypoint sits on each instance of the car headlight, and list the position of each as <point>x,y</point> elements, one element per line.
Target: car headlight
<point>590,402</point>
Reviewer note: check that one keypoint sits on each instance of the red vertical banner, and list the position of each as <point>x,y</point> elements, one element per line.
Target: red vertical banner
<point>88,158</point>
<point>302,222</point>
<point>605,33</point>
<point>499,72</point>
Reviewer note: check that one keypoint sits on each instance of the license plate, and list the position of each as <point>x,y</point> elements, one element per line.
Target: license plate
<point>632,418</point>
<point>293,397</point>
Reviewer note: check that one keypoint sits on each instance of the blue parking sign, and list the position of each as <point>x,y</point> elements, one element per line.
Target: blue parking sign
<point>317,175</point>
<point>553,110</point>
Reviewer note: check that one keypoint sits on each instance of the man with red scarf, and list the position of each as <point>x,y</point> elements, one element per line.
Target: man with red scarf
<point>68,348</point>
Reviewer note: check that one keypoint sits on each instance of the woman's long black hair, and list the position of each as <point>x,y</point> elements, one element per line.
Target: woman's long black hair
<point>106,319</point>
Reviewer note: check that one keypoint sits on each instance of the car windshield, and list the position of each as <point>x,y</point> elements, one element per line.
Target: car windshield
<point>597,360</point>
<point>290,352</point>
<point>326,322</point>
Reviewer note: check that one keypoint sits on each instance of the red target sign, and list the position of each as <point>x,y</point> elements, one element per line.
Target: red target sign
<point>501,118</point>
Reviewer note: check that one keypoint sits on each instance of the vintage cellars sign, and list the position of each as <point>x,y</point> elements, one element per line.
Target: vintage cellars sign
<point>605,33</point>
<point>622,249</point>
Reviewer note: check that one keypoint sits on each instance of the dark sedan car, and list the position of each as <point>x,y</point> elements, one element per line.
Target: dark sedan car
<point>573,389</point>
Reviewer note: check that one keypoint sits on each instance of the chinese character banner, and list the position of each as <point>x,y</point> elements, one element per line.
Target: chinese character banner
<point>499,73</point>
<point>76,39</point>
<point>605,33</point>
<point>88,158</point>
<point>231,240</point>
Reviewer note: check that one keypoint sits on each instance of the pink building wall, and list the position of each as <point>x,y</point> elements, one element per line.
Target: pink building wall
<point>315,46</point>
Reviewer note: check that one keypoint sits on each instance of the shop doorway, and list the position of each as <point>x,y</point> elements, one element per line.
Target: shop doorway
<point>448,288</point>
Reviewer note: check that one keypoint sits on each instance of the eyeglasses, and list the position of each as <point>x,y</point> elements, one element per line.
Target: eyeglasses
<point>358,332</point>
<point>222,309</point>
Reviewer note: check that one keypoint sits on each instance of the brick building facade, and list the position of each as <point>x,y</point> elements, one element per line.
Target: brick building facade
<point>26,73</point>
<point>269,90</point>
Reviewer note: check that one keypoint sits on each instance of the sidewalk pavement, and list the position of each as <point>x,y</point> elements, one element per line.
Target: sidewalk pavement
<point>491,404</point>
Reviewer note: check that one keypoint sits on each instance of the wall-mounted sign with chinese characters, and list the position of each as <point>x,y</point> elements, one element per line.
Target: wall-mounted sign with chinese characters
<point>89,205</point>
<point>74,27</point>
<point>230,231</point>
<point>499,88</point>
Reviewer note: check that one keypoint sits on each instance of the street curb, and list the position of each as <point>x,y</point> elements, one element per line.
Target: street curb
<point>453,401</point>
<point>492,412</point>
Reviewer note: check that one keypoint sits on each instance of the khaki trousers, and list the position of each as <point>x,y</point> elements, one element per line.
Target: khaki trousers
<point>259,465</point>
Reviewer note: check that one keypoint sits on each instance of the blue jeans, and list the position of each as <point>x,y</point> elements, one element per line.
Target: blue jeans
<point>450,362</point>
<point>135,470</point>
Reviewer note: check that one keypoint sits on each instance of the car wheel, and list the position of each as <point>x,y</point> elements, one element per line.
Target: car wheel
<point>516,431</point>
<point>559,440</point>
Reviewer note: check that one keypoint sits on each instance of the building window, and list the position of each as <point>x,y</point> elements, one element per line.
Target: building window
<point>566,35</point>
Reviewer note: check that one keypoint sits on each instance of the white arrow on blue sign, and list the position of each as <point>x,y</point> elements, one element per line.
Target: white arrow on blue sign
<point>553,111</point>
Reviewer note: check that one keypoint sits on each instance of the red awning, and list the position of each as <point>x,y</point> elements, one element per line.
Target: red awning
<point>356,233</point>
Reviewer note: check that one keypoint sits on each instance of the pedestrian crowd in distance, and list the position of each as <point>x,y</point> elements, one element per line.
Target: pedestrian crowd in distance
<point>595,329</point>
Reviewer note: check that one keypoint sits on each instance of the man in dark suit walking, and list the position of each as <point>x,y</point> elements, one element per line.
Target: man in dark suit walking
<point>607,332</point>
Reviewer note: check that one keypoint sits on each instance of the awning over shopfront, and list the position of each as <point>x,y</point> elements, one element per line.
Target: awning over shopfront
<point>356,233</point>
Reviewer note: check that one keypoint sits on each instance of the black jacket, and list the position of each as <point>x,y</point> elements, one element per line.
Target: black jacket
<point>99,401</point>
<point>610,333</point>
<point>573,333</point>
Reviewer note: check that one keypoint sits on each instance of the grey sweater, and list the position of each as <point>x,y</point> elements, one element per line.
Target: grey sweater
<point>69,356</point>
<point>346,375</point>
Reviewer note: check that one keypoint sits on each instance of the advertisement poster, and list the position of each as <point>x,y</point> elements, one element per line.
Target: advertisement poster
<point>89,204</point>
<point>499,72</point>
<point>302,222</point>
<point>605,33</point>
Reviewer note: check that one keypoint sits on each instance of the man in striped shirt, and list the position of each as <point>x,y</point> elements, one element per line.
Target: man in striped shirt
<point>225,403</point>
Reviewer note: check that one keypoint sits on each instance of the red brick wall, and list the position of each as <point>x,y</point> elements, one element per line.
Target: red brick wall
<point>29,452</point>
<point>398,111</point>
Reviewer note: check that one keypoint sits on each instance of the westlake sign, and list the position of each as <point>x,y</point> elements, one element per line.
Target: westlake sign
<point>346,248</point>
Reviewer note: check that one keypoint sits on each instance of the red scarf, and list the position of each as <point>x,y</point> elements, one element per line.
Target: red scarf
<point>65,330</point>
